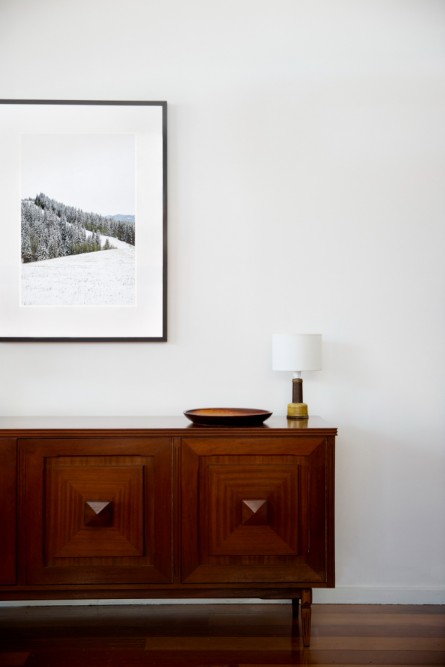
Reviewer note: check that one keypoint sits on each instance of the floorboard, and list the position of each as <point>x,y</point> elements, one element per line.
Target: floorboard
<point>220,635</point>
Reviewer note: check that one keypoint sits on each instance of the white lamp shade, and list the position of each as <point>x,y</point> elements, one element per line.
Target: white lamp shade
<point>296,352</point>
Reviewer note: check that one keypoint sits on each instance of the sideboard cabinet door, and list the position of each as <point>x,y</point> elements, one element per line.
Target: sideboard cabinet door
<point>258,510</point>
<point>8,505</point>
<point>96,510</point>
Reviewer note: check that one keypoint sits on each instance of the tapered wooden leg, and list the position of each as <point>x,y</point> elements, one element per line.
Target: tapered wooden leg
<point>295,612</point>
<point>306,602</point>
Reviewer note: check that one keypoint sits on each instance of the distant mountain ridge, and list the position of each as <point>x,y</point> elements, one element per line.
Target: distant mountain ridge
<point>120,217</point>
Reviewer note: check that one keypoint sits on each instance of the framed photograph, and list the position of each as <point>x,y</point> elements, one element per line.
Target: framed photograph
<point>83,186</point>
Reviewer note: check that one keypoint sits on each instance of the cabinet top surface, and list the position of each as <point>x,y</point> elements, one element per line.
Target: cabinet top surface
<point>178,425</point>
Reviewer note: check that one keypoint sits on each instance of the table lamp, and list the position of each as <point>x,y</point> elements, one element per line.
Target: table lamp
<point>296,353</point>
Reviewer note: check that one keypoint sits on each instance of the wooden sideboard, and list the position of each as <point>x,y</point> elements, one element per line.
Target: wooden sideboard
<point>161,508</point>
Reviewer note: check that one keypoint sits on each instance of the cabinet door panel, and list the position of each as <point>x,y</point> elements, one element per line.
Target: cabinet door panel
<point>261,510</point>
<point>96,511</point>
<point>8,506</point>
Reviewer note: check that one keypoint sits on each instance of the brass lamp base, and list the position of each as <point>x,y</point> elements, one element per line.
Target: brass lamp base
<point>297,411</point>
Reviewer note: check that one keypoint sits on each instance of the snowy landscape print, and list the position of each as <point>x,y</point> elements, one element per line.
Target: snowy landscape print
<point>77,220</point>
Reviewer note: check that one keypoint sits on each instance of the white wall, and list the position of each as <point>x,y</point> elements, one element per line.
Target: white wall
<point>306,193</point>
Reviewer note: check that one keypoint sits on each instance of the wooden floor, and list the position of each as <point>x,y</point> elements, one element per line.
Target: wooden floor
<point>223,635</point>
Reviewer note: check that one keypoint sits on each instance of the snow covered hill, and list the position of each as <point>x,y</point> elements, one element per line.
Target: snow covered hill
<point>102,278</point>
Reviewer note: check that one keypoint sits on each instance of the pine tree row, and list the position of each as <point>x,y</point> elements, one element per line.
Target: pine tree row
<point>124,231</point>
<point>47,233</point>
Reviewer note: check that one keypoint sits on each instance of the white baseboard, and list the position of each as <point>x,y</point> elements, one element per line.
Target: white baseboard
<point>339,595</point>
<point>380,595</point>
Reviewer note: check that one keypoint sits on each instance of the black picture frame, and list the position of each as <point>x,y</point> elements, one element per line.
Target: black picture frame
<point>88,151</point>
